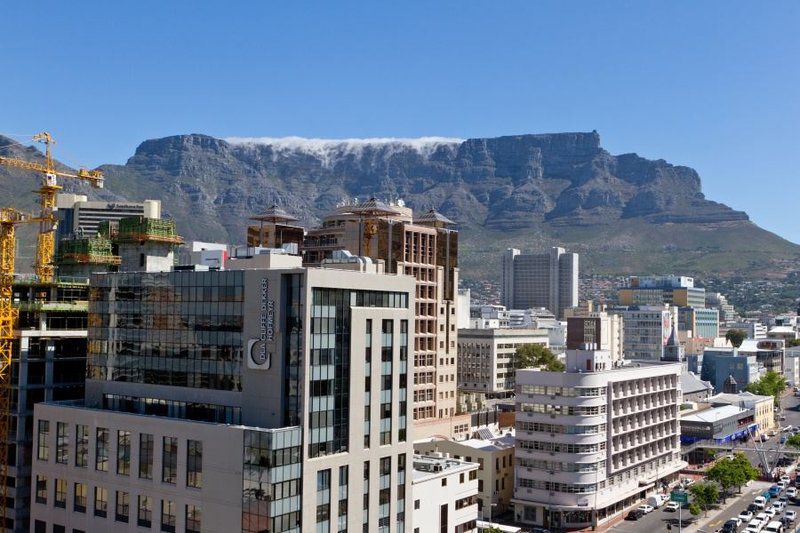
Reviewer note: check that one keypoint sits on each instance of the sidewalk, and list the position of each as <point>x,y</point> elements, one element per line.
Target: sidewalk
<point>717,517</point>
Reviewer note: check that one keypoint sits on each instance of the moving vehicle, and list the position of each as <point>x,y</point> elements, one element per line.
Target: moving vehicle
<point>774,490</point>
<point>674,506</point>
<point>645,508</point>
<point>731,526</point>
<point>760,502</point>
<point>763,518</point>
<point>786,479</point>
<point>790,516</point>
<point>754,526</point>
<point>783,439</point>
<point>779,506</point>
<point>746,516</point>
<point>770,511</point>
<point>636,514</point>
<point>774,527</point>
<point>791,492</point>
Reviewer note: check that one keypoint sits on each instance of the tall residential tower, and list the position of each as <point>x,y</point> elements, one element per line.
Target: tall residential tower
<point>540,280</point>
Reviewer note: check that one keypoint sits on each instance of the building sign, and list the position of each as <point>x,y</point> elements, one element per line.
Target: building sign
<point>259,350</point>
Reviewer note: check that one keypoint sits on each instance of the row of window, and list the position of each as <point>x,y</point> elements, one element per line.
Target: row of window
<point>560,447</point>
<point>583,392</point>
<point>102,445</point>
<point>542,427</point>
<point>580,410</point>
<point>553,486</point>
<point>122,503</point>
<point>558,466</point>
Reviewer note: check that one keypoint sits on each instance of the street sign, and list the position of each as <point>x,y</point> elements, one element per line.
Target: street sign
<point>680,497</point>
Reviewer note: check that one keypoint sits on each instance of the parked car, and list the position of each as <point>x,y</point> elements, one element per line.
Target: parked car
<point>636,514</point>
<point>673,506</point>
<point>783,439</point>
<point>786,479</point>
<point>760,502</point>
<point>763,518</point>
<point>791,492</point>
<point>656,500</point>
<point>790,515</point>
<point>770,511</point>
<point>752,508</point>
<point>645,508</point>
<point>779,506</point>
<point>731,526</point>
<point>746,516</point>
<point>782,484</point>
<point>774,490</point>
<point>754,526</point>
<point>774,527</point>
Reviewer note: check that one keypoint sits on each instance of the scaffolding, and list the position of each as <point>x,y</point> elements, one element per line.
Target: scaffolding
<point>141,229</point>
<point>84,250</point>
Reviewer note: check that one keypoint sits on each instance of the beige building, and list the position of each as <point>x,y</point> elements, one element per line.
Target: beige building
<point>423,247</point>
<point>761,406</point>
<point>494,452</point>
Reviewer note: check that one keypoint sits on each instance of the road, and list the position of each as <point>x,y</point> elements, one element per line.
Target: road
<point>658,519</point>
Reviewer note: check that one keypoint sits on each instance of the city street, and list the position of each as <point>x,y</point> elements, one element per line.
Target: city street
<point>658,519</point>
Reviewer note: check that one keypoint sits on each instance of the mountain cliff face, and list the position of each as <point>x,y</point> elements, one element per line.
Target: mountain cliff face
<point>527,191</point>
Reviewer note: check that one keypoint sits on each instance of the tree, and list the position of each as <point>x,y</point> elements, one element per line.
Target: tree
<point>794,441</point>
<point>732,473</point>
<point>492,530</point>
<point>791,343</point>
<point>537,356</point>
<point>771,384</point>
<point>705,494</point>
<point>736,337</point>
<point>694,509</point>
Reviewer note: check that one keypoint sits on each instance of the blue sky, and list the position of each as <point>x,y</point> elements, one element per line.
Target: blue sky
<point>714,85</point>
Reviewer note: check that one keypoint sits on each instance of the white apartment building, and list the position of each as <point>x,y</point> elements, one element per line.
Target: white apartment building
<point>445,495</point>
<point>593,440</point>
<point>598,328</point>
<point>487,357</point>
<point>753,328</point>
<point>261,399</point>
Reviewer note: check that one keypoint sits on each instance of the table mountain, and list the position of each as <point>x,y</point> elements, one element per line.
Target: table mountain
<point>624,213</point>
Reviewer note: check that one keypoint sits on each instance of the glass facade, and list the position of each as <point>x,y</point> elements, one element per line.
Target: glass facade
<point>293,291</point>
<point>182,329</point>
<point>329,383</point>
<point>202,412</point>
<point>271,481</point>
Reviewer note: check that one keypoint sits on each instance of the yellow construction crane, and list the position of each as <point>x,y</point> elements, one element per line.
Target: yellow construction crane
<point>9,218</point>
<point>46,240</point>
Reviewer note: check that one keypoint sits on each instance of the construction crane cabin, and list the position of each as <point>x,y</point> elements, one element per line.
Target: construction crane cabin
<point>44,265</point>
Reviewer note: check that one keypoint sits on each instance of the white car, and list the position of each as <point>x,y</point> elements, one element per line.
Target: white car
<point>790,516</point>
<point>786,479</point>
<point>779,506</point>
<point>645,508</point>
<point>770,511</point>
<point>754,526</point>
<point>674,506</point>
<point>736,519</point>
<point>763,518</point>
<point>782,484</point>
<point>791,492</point>
<point>746,516</point>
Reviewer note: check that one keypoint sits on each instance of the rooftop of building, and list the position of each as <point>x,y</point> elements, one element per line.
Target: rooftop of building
<point>432,466</point>
<point>484,439</point>
<point>714,414</point>
<point>691,383</point>
<point>730,398</point>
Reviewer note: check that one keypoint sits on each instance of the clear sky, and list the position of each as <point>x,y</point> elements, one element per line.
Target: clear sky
<point>714,85</point>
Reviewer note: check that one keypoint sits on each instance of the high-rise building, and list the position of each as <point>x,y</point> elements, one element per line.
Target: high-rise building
<point>426,248</point>
<point>79,216</point>
<point>271,398</point>
<point>540,280</point>
<point>702,322</point>
<point>593,440</point>
<point>647,330</point>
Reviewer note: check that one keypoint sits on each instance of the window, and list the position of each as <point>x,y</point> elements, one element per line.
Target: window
<point>193,519</point>
<point>41,489</point>
<point>43,450</point>
<point>62,443</point>
<point>81,445</point>
<point>168,516</point>
<point>323,497</point>
<point>123,506</point>
<point>60,493</point>
<point>444,482</point>
<point>169,460</point>
<point>101,450</point>
<point>81,495</point>
<point>100,502</point>
<point>124,453</point>
<point>194,464</point>
<point>145,511</point>
<point>145,456</point>
<point>39,526</point>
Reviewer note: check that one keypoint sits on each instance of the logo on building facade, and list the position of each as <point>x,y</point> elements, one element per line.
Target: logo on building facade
<point>258,349</point>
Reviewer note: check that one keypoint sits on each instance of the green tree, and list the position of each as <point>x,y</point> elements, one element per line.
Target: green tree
<point>705,494</point>
<point>794,441</point>
<point>537,356</point>
<point>694,509</point>
<point>771,384</point>
<point>492,530</point>
<point>732,473</point>
<point>736,337</point>
<point>791,343</point>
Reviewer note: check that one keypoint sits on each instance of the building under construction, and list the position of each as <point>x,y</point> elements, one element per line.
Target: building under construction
<point>49,357</point>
